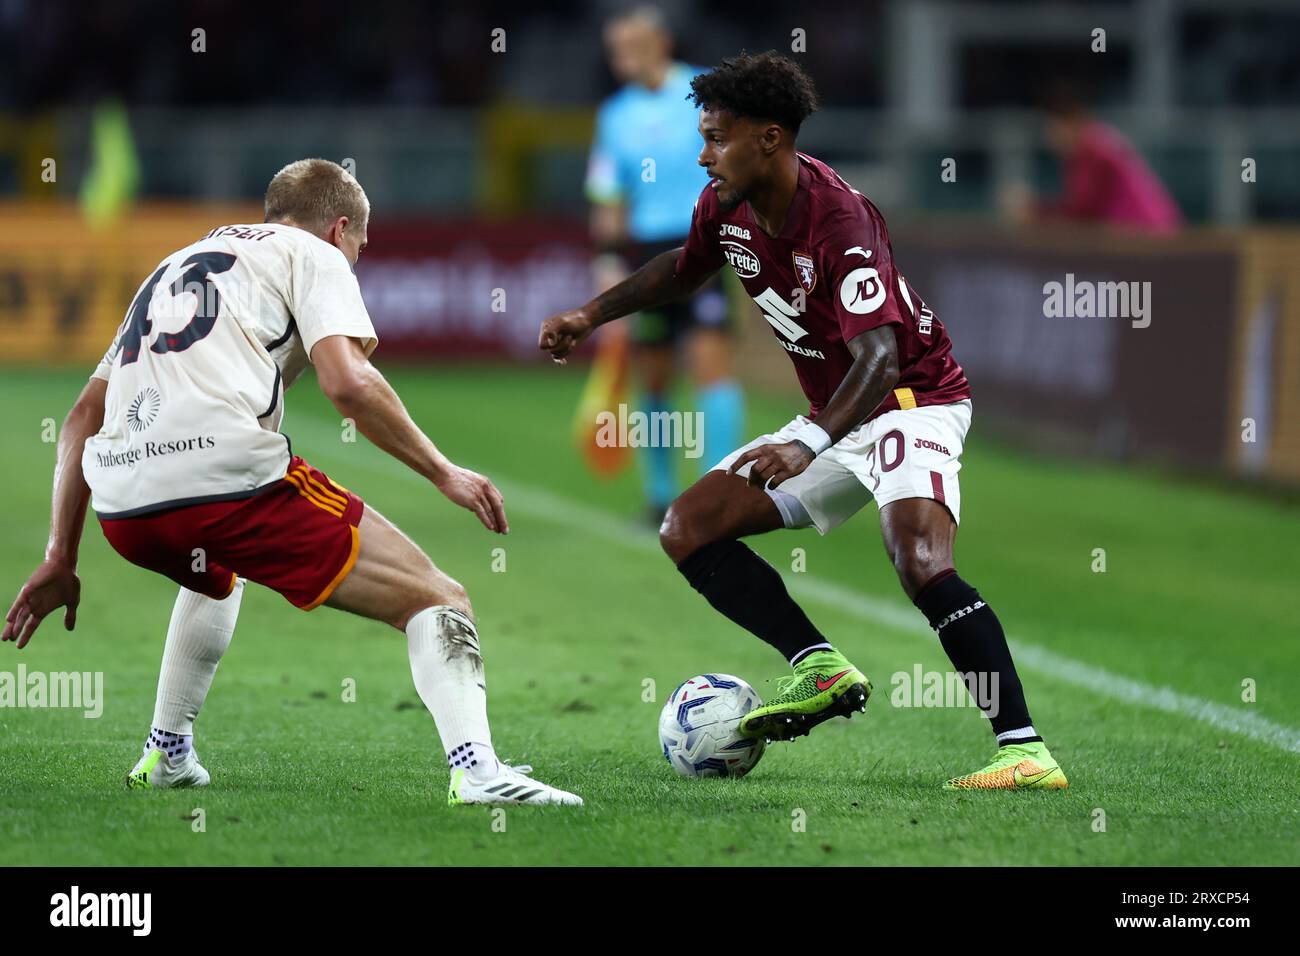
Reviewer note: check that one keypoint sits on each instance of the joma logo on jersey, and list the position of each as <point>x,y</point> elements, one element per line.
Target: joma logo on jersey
<point>742,260</point>
<point>727,229</point>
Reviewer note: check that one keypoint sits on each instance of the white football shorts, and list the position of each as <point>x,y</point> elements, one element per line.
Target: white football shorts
<point>906,453</point>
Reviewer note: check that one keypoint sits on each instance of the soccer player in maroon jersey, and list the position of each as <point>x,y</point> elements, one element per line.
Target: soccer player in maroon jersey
<point>889,411</point>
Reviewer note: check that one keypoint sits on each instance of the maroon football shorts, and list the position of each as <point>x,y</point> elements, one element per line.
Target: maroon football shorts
<point>298,537</point>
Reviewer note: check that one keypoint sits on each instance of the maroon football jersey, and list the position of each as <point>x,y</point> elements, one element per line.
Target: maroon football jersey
<point>827,278</point>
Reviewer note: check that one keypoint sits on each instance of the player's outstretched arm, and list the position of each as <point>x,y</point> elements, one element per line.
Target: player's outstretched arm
<point>54,583</point>
<point>871,377</point>
<point>361,393</point>
<point>655,283</point>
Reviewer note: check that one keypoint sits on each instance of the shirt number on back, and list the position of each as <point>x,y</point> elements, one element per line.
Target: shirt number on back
<point>195,279</point>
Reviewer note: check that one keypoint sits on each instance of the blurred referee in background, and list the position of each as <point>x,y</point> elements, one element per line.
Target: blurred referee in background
<point>642,181</point>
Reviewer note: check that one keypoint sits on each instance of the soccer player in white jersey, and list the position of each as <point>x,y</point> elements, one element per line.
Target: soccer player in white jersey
<point>177,437</point>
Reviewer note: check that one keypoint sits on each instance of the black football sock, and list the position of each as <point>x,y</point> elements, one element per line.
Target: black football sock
<point>747,589</point>
<point>972,637</point>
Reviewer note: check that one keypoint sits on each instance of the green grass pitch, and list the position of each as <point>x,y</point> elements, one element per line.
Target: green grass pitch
<point>1134,675</point>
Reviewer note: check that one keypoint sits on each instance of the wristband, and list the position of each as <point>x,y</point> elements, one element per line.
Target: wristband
<point>814,436</point>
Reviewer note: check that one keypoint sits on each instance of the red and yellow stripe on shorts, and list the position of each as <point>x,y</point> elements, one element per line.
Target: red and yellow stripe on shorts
<point>322,497</point>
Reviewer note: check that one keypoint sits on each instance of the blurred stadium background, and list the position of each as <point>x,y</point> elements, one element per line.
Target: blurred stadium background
<point>118,137</point>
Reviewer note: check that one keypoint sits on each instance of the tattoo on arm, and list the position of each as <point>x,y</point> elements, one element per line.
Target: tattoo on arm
<point>653,284</point>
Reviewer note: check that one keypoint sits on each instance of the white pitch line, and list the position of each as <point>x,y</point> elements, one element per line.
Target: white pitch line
<point>1067,670</point>
<point>599,523</point>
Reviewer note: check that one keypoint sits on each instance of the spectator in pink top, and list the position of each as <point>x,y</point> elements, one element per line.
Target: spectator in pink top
<point>1106,180</point>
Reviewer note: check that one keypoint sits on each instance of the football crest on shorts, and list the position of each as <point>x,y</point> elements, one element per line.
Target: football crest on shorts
<point>803,268</point>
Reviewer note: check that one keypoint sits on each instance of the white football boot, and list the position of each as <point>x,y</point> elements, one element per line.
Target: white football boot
<point>158,772</point>
<point>507,785</point>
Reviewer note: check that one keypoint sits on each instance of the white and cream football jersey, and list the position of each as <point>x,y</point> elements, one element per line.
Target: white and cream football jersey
<point>197,372</point>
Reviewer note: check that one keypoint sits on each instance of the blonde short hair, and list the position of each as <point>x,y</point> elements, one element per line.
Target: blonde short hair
<point>312,193</point>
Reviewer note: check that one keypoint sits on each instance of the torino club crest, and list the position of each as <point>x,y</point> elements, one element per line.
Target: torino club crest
<point>803,268</point>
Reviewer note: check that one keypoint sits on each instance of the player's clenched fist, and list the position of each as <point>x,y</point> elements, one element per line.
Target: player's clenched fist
<point>773,464</point>
<point>476,492</point>
<point>562,333</point>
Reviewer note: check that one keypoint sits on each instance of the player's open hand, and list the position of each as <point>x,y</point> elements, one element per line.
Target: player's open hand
<point>476,492</point>
<point>54,584</point>
<point>563,333</point>
<point>773,464</point>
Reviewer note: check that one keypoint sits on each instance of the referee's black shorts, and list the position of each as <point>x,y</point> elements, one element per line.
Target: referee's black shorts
<point>666,325</point>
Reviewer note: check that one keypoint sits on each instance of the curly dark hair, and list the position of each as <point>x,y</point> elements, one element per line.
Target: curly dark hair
<point>759,86</point>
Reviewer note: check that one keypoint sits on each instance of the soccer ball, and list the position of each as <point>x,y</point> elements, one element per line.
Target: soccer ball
<point>699,727</point>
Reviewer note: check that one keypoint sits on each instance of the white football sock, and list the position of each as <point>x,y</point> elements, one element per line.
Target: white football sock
<point>1014,736</point>
<point>448,672</point>
<point>175,746</point>
<point>199,633</point>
